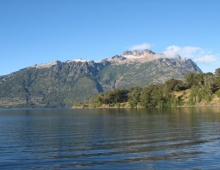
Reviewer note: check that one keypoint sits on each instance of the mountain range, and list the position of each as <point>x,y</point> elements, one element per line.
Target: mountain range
<point>62,84</point>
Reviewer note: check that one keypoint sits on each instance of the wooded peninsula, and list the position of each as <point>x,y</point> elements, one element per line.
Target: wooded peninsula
<point>194,90</point>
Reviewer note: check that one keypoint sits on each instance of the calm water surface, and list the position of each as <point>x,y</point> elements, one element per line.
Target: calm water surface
<point>177,138</point>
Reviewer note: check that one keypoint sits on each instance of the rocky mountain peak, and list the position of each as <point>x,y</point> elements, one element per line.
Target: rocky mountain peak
<point>138,52</point>
<point>78,60</point>
<point>135,56</point>
<point>62,84</point>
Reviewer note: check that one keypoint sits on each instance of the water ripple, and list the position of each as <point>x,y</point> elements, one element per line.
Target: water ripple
<point>66,139</point>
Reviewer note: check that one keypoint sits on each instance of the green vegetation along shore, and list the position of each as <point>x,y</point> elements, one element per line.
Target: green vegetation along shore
<point>194,90</point>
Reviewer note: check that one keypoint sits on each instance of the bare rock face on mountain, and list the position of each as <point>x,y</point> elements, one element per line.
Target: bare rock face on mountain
<point>62,84</point>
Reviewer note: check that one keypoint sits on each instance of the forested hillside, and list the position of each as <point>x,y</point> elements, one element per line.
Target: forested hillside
<point>63,84</point>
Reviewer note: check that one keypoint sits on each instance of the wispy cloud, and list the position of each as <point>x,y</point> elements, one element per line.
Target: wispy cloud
<point>141,46</point>
<point>195,53</point>
<point>187,52</point>
<point>205,59</point>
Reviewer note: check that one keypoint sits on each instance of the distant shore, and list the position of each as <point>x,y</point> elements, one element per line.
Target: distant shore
<point>106,106</point>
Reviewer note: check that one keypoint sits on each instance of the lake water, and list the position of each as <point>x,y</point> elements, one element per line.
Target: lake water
<point>175,138</point>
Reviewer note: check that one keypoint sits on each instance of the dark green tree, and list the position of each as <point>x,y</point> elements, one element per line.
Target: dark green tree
<point>174,85</point>
<point>134,96</point>
<point>193,79</point>
<point>151,96</point>
<point>193,98</point>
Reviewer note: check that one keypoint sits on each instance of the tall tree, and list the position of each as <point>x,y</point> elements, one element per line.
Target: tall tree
<point>134,96</point>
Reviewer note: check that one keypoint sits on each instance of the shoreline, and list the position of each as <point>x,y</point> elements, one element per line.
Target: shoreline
<point>115,107</point>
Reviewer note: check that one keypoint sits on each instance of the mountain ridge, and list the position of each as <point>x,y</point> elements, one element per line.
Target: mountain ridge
<point>62,84</point>
<point>136,56</point>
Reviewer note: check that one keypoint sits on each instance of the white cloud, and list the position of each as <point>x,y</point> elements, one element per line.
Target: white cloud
<point>186,52</point>
<point>205,59</point>
<point>141,46</point>
<point>197,54</point>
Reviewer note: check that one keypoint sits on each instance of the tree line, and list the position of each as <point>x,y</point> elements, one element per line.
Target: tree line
<point>190,91</point>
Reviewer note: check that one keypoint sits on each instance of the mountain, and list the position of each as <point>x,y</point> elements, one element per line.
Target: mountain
<point>62,84</point>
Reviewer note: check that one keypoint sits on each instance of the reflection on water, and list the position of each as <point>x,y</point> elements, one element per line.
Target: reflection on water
<point>173,138</point>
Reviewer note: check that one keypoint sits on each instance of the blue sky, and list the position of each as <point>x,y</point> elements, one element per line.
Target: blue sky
<point>41,31</point>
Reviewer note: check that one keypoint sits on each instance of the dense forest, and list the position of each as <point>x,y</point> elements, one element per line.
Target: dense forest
<point>195,89</point>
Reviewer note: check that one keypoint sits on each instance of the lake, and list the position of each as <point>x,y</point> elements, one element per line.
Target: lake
<point>174,138</point>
